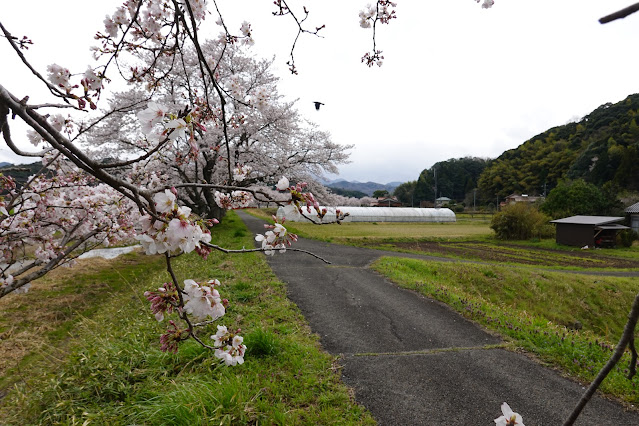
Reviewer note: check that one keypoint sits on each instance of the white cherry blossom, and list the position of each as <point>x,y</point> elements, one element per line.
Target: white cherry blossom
<point>152,115</point>
<point>282,184</point>
<point>509,417</point>
<point>59,76</point>
<point>164,201</point>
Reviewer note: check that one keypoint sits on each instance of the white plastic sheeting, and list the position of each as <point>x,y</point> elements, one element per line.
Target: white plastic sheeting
<point>371,214</point>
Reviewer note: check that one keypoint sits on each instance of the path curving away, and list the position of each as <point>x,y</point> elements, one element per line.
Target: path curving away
<point>414,361</point>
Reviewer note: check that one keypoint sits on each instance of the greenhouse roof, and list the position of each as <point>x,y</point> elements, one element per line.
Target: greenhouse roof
<point>372,214</point>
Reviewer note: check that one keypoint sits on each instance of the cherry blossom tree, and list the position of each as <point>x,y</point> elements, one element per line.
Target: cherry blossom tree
<point>261,139</point>
<point>201,126</point>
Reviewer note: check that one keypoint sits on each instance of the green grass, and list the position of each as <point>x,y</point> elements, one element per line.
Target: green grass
<point>537,311</point>
<point>113,372</point>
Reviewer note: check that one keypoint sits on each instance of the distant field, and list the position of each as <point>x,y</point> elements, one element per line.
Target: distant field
<point>386,230</point>
<point>466,239</point>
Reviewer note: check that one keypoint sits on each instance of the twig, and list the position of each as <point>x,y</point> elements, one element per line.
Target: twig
<point>224,250</point>
<point>620,14</point>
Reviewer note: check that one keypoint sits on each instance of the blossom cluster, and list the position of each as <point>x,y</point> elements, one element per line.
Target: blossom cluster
<point>176,230</point>
<point>58,122</point>
<point>150,20</point>
<point>51,212</point>
<point>381,12</point>
<point>91,82</point>
<point>158,123</point>
<point>164,300</point>
<point>230,347</point>
<point>170,340</point>
<point>245,29</point>
<point>486,4</point>
<point>241,172</point>
<point>234,200</point>
<point>202,300</point>
<point>277,238</point>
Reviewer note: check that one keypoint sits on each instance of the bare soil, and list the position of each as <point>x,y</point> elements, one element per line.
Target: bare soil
<point>598,258</point>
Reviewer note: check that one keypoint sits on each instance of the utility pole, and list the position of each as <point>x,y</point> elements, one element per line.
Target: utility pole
<point>435,174</point>
<point>474,198</point>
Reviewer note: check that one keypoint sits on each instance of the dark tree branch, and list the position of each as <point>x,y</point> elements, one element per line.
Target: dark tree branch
<point>626,337</point>
<point>620,14</point>
<point>228,251</point>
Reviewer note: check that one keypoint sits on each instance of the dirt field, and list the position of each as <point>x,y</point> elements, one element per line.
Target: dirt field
<point>519,254</point>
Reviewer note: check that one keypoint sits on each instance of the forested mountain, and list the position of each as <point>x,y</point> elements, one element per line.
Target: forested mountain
<point>21,172</point>
<point>366,187</point>
<point>602,148</point>
<point>452,178</point>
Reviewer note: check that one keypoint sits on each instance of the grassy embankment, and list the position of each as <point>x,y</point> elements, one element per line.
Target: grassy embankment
<point>569,321</point>
<point>83,348</point>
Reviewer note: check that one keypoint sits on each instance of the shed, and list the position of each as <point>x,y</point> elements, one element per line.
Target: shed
<point>441,201</point>
<point>633,211</point>
<point>372,214</point>
<point>592,231</point>
<point>387,202</point>
<point>522,198</point>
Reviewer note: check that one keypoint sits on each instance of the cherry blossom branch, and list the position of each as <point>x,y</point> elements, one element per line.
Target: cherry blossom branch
<point>16,284</point>
<point>620,14</point>
<point>369,17</point>
<point>6,134</point>
<point>230,251</point>
<point>54,90</point>
<point>73,153</point>
<point>182,314</point>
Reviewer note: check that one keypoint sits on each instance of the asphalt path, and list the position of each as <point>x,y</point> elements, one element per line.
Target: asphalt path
<point>414,361</point>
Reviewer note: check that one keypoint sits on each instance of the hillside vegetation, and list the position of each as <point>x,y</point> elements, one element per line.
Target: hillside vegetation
<point>602,148</point>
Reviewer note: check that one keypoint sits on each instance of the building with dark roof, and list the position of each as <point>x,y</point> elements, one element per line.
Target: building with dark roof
<point>633,211</point>
<point>591,231</point>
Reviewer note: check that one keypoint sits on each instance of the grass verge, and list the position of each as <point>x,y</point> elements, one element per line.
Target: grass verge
<point>567,320</point>
<point>113,371</point>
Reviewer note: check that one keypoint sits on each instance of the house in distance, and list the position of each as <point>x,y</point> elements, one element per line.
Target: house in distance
<point>522,198</point>
<point>591,231</point>
<point>633,211</point>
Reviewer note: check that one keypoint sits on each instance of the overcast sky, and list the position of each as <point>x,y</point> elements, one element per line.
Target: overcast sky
<point>457,80</point>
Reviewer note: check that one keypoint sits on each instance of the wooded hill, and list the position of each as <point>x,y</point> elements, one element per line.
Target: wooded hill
<point>21,172</point>
<point>602,148</point>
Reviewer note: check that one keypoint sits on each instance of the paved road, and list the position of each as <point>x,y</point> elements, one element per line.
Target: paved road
<point>412,360</point>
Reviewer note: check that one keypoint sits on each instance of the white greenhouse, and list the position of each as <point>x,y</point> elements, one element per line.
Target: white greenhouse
<point>371,214</point>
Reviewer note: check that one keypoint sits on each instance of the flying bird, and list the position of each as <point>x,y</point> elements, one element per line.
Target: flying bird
<point>317,105</point>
